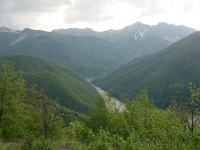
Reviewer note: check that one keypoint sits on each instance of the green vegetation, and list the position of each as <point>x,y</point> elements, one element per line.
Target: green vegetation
<point>60,83</point>
<point>30,120</point>
<point>141,125</point>
<point>27,116</point>
<point>88,56</point>
<point>177,63</point>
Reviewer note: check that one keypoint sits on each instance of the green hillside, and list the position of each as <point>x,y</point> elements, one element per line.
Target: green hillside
<point>178,63</point>
<point>88,56</point>
<point>60,83</point>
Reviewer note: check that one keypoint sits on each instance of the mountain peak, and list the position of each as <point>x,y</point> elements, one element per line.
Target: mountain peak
<point>138,23</point>
<point>162,23</point>
<point>5,29</point>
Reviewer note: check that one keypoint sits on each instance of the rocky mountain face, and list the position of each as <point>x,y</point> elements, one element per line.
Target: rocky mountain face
<point>137,39</point>
<point>4,29</point>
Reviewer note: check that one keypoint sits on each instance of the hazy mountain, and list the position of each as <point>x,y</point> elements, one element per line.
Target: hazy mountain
<point>178,63</point>
<point>135,31</point>
<point>4,29</point>
<point>92,53</point>
<point>77,32</point>
<point>60,83</point>
<point>89,56</point>
<point>137,39</point>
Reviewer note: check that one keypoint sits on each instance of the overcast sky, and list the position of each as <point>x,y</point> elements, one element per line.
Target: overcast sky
<point>96,14</point>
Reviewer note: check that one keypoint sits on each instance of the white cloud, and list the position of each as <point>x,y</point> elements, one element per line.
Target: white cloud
<point>88,11</point>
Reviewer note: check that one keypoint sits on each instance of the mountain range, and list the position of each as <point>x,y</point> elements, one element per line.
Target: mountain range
<point>93,54</point>
<point>88,52</point>
<point>86,55</point>
<point>137,39</point>
<point>178,63</point>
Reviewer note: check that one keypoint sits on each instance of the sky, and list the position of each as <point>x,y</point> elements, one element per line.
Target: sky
<point>99,15</point>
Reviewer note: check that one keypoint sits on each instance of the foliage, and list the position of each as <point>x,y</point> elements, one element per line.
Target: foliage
<point>11,102</point>
<point>30,117</point>
<point>140,126</point>
<point>26,114</point>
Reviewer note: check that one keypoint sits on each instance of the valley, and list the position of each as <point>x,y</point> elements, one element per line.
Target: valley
<point>179,63</point>
<point>49,98</point>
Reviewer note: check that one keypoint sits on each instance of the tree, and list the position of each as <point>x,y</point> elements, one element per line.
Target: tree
<point>99,118</point>
<point>192,108</point>
<point>11,96</point>
<point>51,124</point>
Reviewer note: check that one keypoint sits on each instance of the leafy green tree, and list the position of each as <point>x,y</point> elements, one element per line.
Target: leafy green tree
<point>45,115</point>
<point>12,104</point>
<point>99,118</point>
<point>193,107</point>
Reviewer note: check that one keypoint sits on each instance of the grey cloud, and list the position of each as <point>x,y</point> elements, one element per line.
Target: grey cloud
<point>39,5</point>
<point>31,5</point>
<point>6,6</point>
<point>24,13</point>
<point>88,11</point>
<point>18,22</point>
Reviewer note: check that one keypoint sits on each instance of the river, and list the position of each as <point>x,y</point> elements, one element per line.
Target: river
<point>111,102</point>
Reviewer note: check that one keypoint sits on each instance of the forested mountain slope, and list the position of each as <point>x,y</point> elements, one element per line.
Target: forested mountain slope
<point>178,63</point>
<point>60,83</point>
<point>88,56</point>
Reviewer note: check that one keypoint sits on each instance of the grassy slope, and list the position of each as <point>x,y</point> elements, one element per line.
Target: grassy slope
<point>59,82</point>
<point>177,63</point>
<point>88,56</point>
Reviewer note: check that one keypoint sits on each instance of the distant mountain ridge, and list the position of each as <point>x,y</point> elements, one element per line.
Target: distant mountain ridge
<point>88,56</point>
<point>138,39</point>
<point>4,29</point>
<point>178,63</point>
<point>136,31</point>
<point>92,53</point>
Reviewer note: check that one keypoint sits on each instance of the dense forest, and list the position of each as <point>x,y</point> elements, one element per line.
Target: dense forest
<point>30,120</point>
<point>59,82</point>
<point>176,63</point>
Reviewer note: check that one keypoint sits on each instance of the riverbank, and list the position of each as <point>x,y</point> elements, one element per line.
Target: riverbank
<point>111,102</point>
